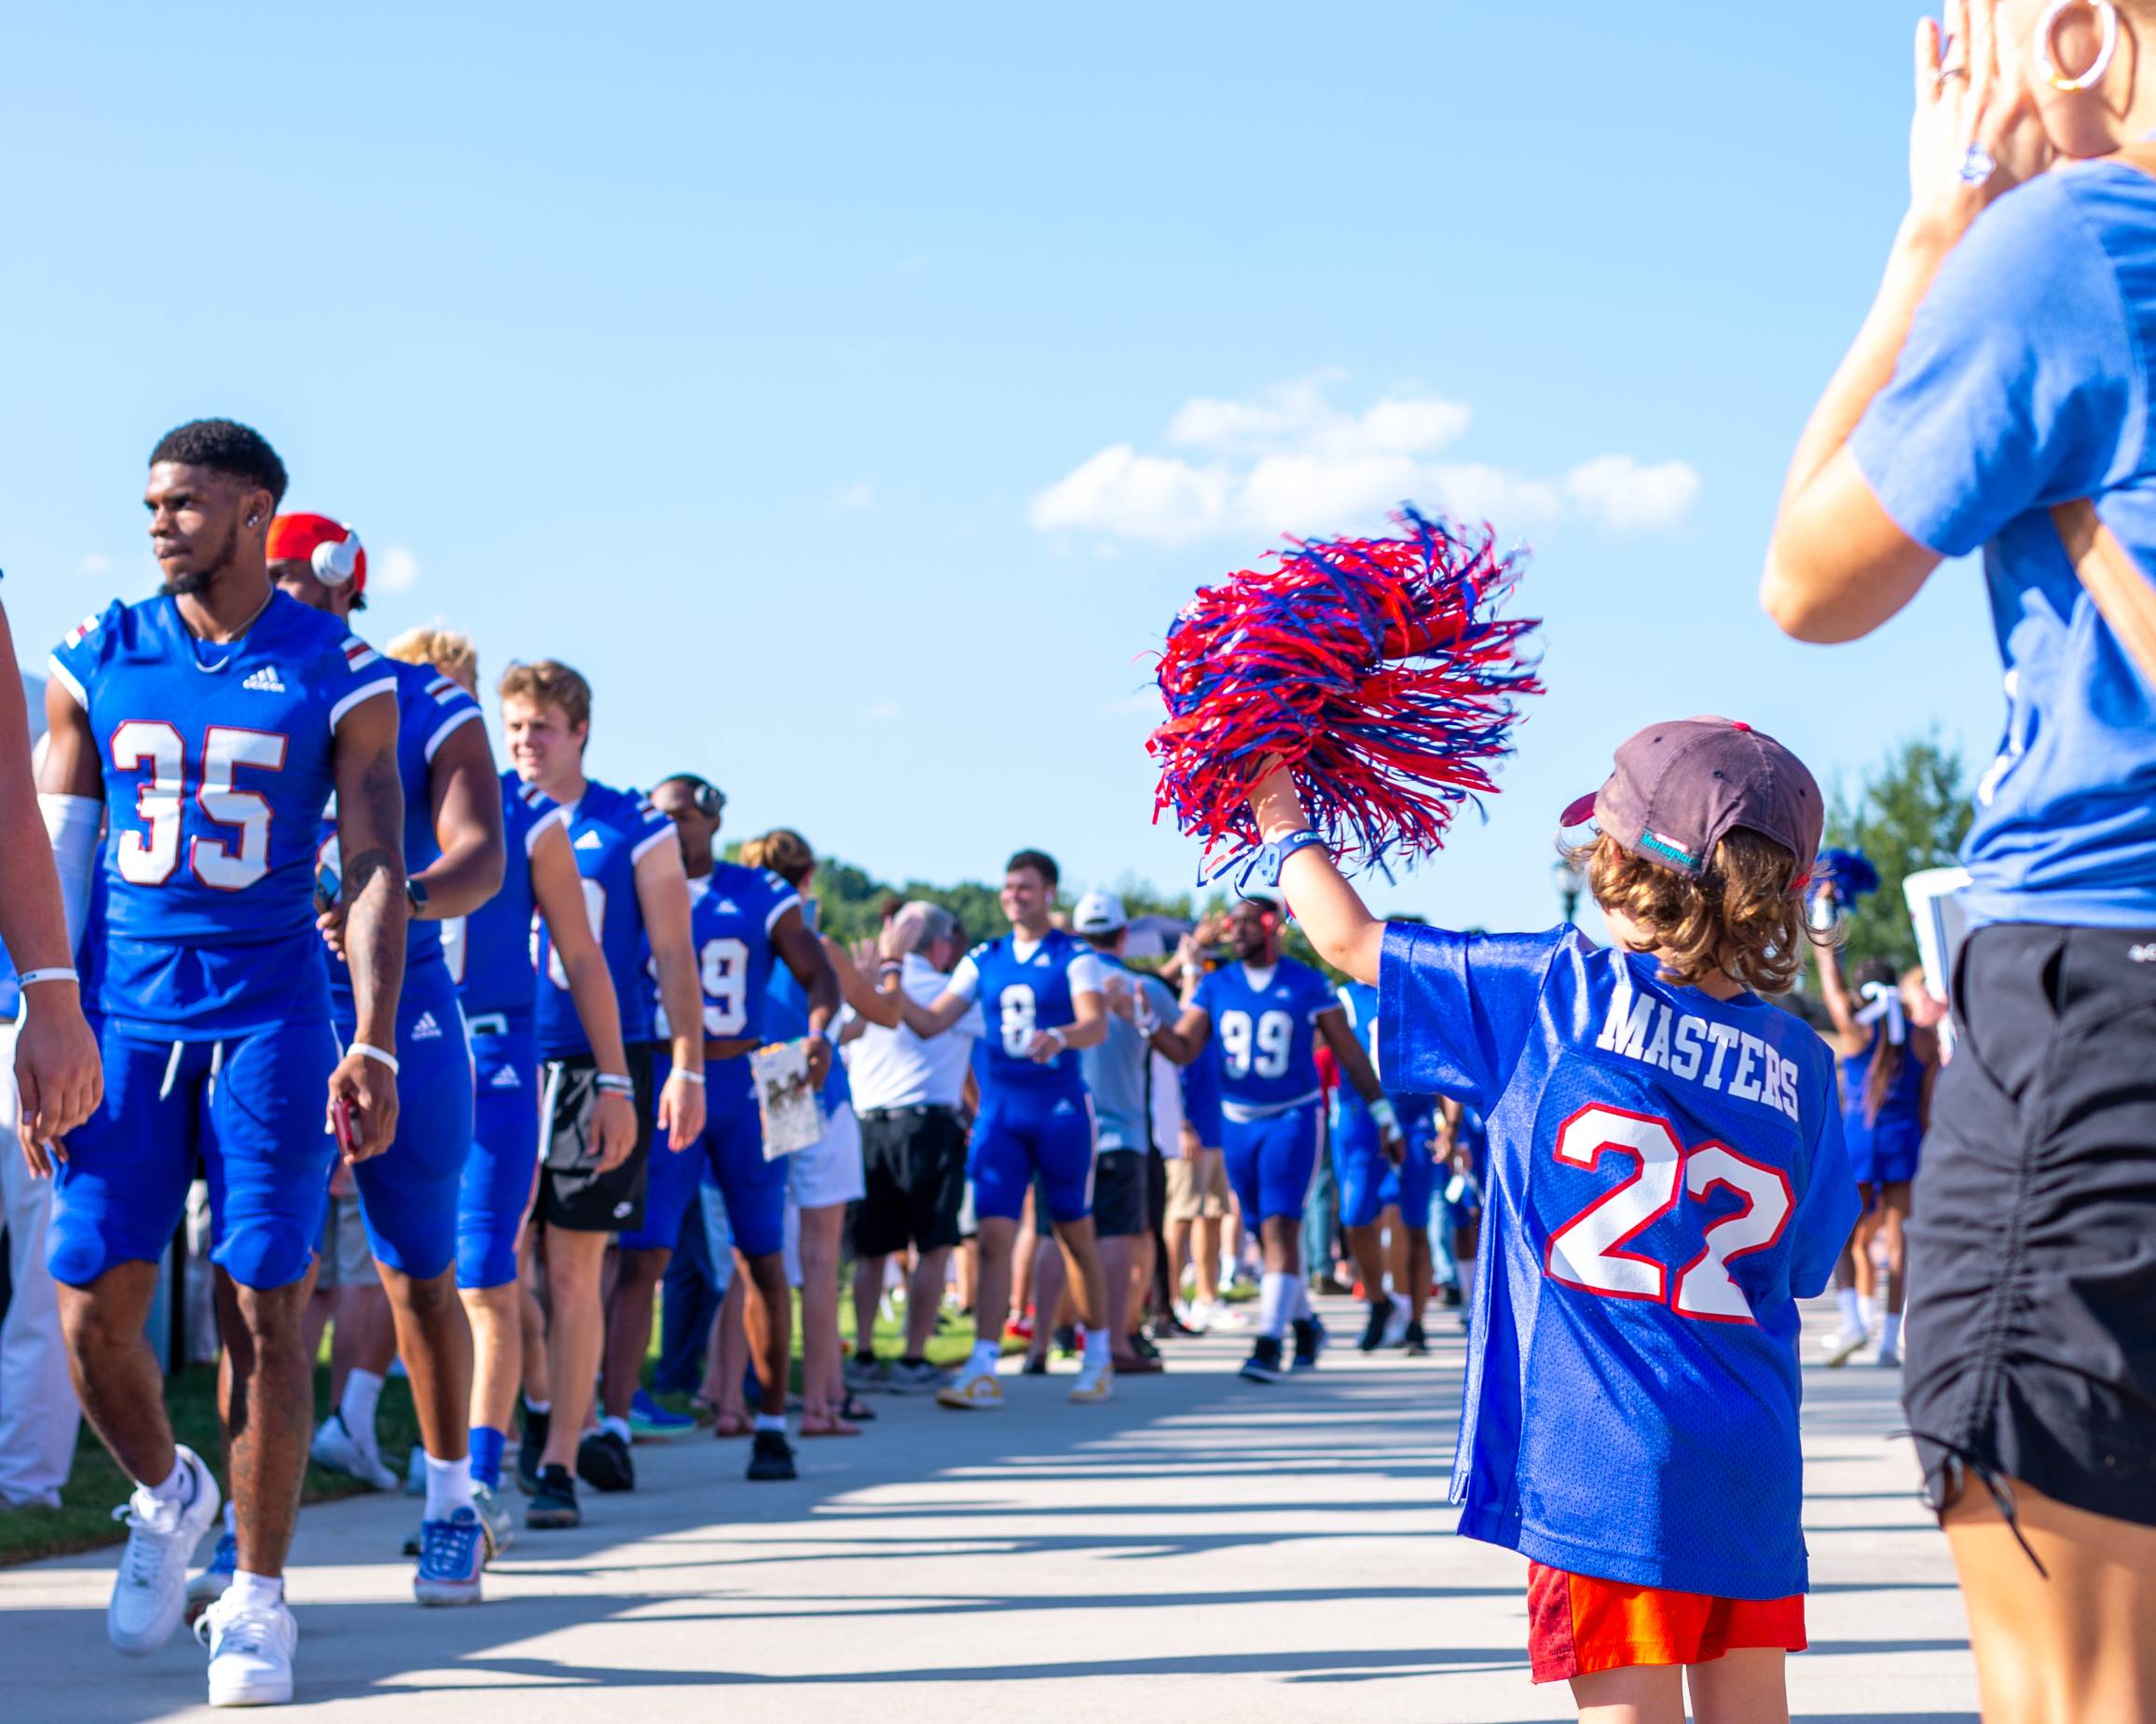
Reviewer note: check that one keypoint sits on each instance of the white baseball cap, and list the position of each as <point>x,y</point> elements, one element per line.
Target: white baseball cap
<point>1099,912</point>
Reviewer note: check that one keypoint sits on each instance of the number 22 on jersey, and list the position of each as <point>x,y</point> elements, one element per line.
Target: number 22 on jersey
<point>1587,1251</point>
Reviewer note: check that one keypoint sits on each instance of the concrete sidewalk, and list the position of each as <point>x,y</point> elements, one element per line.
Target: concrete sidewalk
<point>1201,1548</point>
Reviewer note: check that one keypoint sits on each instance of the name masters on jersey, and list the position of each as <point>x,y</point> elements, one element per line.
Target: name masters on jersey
<point>1698,1049</point>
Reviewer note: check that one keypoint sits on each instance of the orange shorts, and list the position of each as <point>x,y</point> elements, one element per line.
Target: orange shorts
<point>1578,1625</point>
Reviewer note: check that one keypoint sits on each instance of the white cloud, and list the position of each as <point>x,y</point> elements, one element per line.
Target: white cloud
<point>883,712</point>
<point>95,563</point>
<point>851,499</point>
<point>395,571</point>
<point>1629,496</point>
<point>1289,459</point>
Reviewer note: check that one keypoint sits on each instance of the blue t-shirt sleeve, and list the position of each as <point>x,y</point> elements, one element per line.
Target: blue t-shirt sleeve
<point>1454,1010</point>
<point>75,660</point>
<point>1825,1212</point>
<point>2019,386</point>
<point>350,671</point>
<point>777,898</point>
<point>449,710</point>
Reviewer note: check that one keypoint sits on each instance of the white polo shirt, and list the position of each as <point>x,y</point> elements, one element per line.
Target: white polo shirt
<point>895,1068</point>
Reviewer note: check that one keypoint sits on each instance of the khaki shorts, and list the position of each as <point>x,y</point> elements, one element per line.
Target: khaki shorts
<point>347,1259</point>
<point>1198,1187</point>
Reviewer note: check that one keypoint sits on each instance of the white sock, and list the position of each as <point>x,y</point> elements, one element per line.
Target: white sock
<point>1852,1310</point>
<point>985,1354</point>
<point>1863,1314</point>
<point>1890,1333</point>
<point>254,1590</point>
<point>231,1519</point>
<point>1096,1350</point>
<point>180,1487</point>
<point>618,1426</point>
<point>362,1390</point>
<point>1300,1307</point>
<point>448,1487</point>
<point>1276,1295</point>
<point>768,1421</point>
<point>540,1408</point>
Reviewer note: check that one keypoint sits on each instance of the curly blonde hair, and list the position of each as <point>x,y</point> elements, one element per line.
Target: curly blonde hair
<point>448,651</point>
<point>783,850</point>
<point>1738,917</point>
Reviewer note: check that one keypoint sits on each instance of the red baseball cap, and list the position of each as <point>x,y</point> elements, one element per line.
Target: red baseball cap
<point>1679,789</point>
<point>328,547</point>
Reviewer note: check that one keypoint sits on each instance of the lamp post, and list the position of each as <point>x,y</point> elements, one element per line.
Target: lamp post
<point>1569,882</point>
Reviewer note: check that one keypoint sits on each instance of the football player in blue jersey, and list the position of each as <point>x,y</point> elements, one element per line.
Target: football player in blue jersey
<point>1667,1181</point>
<point>1378,1192</point>
<point>212,721</point>
<point>1267,1011</point>
<point>637,897</point>
<point>492,961</point>
<point>1039,991</point>
<point>742,920</point>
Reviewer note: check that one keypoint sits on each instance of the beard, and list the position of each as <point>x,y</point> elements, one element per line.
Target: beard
<point>201,580</point>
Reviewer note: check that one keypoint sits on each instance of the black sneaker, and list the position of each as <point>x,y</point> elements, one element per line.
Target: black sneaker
<point>1450,1295</point>
<point>1067,1343</point>
<point>771,1456</point>
<point>528,1450</point>
<point>602,1462</point>
<point>1373,1331</point>
<point>1309,1341</point>
<point>1263,1365</point>
<point>1036,1365</point>
<point>1142,1344</point>
<point>1415,1342</point>
<point>552,1502</point>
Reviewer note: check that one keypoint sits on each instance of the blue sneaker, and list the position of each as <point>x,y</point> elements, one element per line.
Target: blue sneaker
<point>648,1418</point>
<point>209,1586</point>
<point>452,1554</point>
<point>1311,1339</point>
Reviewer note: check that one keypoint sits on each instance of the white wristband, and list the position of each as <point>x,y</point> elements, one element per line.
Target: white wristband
<point>1386,1115</point>
<point>368,1050</point>
<point>30,978</point>
<point>688,1076</point>
<point>1062,1041</point>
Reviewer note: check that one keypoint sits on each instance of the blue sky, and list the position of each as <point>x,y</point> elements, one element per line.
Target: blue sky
<point>855,394</point>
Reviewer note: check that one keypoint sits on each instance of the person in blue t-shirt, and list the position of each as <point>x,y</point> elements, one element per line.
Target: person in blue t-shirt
<point>1378,1191</point>
<point>212,721</point>
<point>453,864</point>
<point>1038,990</point>
<point>2001,398</point>
<point>1666,1180</point>
<point>490,954</point>
<point>1267,1012</point>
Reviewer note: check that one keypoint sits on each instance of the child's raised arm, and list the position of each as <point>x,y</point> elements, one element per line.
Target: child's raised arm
<point>1332,912</point>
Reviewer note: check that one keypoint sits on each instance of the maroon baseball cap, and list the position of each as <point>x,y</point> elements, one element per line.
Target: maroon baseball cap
<point>1679,789</point>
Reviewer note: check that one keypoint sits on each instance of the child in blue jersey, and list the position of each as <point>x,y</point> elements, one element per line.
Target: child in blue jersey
<point>1266,1012</point>
<point>212,722</point>
<point>1887,1062</point>
<point>1038,990</point>
<point>408,1195</point>
<point>1374,1185</point>
<point>490,958</point>
<point>1667,1181</point>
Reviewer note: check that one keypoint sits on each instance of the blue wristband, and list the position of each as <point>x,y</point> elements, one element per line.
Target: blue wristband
<point>1276,854</point>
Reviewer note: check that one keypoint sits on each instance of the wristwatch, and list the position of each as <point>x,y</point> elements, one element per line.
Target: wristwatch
<point>415,893</point>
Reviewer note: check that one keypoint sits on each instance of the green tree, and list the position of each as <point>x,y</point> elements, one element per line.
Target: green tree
<point>1908,815</point>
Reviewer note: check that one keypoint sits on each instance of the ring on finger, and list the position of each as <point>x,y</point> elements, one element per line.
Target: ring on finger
<point>1978,165</point>
<point>1939,78</point>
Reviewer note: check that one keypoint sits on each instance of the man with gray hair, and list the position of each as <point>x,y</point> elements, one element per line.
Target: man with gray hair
<point>906,1092</point>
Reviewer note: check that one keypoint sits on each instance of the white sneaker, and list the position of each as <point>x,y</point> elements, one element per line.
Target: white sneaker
<point>1396,1321</point>
<point>150,1593</point>
<point>1095,1383</point>
<point>972,1390</point>
<point>1219,1315</point>
<point>1845,1347</point>
<point>250,1651</point>
<point>342,1449</point>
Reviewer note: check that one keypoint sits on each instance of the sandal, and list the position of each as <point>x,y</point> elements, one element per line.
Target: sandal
<point>853,1407</point>
<point>828,1425</point>
<point>731,1425</point>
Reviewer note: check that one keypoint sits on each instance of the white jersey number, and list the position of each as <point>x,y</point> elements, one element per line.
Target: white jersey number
<point>1263,1047</point>
<point>1019,1007</point>
<point>149,857</point>
<point>595,911</point>
<point>1588,1250</point>
<point>723,965</point>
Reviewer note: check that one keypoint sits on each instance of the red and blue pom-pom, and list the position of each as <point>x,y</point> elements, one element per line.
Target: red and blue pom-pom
<point>1377,670</point>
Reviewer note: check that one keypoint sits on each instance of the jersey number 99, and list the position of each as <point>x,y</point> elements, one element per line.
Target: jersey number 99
<point>1263,1049</point>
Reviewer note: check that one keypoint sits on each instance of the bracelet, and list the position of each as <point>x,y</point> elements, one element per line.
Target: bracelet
<point>1276,854</point>
<point>687,1076</point>
<point>615,1083</point>
<point>58,972</point>
<point>889,967</point>
<point>830,1033</point>
<point>368,1050</point>
<point>1385,1113</point>
<point>1062,1041</point>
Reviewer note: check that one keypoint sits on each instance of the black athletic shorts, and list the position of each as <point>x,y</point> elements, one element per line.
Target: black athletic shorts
<point>2031,1339</point>
<point>1120,1177</point>
<point>912,1177</point>
<point>572,1195</point>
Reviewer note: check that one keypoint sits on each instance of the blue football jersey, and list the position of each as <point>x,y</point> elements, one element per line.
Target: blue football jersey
<point>1020,995</point>
<point>786,1019</point>
<point>1201,1095</point>
<point>609,831</point>
<point>1667,1178</point>
<point>218,758</point>
<point>1359,1001</point>
<point>430,708</point>
<point>1268,1036</point>
<point>731,913</point>
<point>492,956</point>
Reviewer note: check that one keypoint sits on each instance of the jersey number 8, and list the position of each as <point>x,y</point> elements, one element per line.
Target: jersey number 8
<point>1019,1009</point>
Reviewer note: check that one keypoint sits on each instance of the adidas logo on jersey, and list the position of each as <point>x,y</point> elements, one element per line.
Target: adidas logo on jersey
<point>265,681</point>
<point>1040,961</point>
<point>727,907</point>
<point>506,1078</point>
<point>591,840</point>
<point>1063,1107</point>
<point>426,1030</point>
